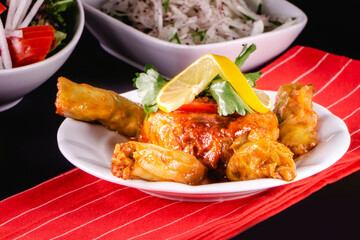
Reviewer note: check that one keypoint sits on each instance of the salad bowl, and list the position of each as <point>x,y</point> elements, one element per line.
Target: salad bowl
<point>15,83</point>
<point>138,49</point>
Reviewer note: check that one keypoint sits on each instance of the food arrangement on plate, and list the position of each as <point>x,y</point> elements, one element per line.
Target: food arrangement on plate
<point>206,125</point>
<point>31,30</point>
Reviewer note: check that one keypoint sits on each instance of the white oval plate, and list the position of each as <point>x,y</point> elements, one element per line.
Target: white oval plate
<point>90,148</point>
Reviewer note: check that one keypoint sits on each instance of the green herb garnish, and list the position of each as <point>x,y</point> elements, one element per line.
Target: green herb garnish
<point>276,23</point>
<point>175,37</point>
<point>149,85</point>
<point>244,54</point>
<point>252,77</point>
<point>227,99</point>
<point>200,34</point>
<point>166,5</point>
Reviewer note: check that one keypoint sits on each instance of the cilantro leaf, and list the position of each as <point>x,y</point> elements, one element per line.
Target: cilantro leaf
<point>150,109</point>
<point>149,84</point>
<point>252,77</point>
<point>227,99</point>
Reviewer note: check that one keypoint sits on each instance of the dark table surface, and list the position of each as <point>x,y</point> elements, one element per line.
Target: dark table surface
<point>29,154</point>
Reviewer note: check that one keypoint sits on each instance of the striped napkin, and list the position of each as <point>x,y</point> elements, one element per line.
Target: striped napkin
<point>76,205</point>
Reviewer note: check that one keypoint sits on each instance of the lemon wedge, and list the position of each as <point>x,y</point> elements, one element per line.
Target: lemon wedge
<point>264,99</point>
<point>185,86</point>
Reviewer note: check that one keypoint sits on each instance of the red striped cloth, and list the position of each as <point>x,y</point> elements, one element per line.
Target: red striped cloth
<point>76,205</point>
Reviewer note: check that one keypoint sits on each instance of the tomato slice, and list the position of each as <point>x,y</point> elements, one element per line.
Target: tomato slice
<point>47,33</point>
<point>2,8</point>
<point>198,107</point>
<point>27,51</point>
<point>33,46</point>
<point>39,31</point>
<point>38,28</point>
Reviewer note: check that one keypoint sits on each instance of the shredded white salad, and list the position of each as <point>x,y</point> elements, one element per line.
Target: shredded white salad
<point>196,21</point>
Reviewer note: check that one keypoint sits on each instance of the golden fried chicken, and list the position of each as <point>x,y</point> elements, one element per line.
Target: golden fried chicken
<point>297,120</point>
<point>135,160</point>
<point>207,136</point>
<point>263,158</point>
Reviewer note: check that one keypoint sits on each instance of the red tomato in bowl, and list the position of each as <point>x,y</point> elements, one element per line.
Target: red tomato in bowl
<point>33,47</point>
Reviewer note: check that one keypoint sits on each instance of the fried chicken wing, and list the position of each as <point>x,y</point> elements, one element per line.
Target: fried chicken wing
<point>261,158</point>
<point>297,120</point>
<point>206,136</point>
<point>134,160</point>
<point>87,103</point>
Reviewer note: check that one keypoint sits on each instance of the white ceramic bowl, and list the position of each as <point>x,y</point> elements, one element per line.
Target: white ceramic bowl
<point>17,82</point>
<point>139,49</point>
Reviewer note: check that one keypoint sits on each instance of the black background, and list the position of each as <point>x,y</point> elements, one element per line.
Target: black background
<point>29,154</point>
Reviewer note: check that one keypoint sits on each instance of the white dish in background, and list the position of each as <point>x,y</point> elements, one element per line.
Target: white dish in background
<point>90,148</point>
<point>15,83</point>
<point>138,49</point>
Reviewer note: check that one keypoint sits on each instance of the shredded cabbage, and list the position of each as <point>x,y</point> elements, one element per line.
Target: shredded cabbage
<point>196,21</point>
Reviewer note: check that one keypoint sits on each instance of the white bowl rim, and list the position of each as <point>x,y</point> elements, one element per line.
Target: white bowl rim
<point>63,51</point>
<point>301,23</point>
